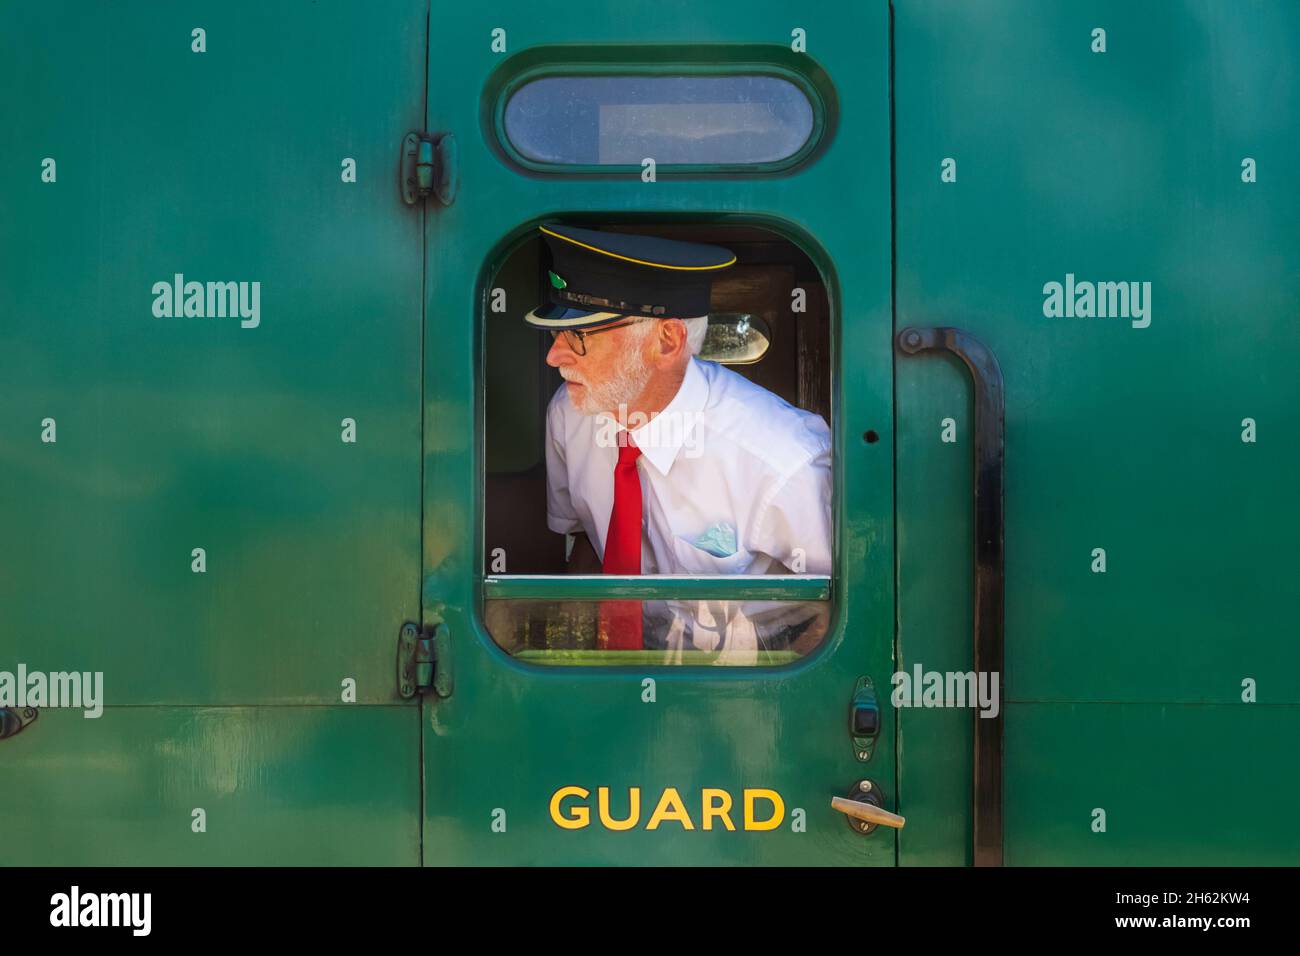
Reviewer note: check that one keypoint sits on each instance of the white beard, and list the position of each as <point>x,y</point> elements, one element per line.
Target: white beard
<point>627,382</point>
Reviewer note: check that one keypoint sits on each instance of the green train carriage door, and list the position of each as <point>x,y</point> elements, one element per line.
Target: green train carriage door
<point>750,127</point>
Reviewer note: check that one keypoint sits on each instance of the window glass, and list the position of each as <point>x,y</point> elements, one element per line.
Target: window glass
<point>622,120</point>
<point>723,633</point>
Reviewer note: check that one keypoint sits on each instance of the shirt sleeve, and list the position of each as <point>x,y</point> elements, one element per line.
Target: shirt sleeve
<point>561,517</point>
<point>795,526</point>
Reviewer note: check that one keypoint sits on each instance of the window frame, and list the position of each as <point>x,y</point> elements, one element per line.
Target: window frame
<point>793,588</point>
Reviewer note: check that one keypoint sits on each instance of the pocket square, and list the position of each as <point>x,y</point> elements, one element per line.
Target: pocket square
<point>718,540</point>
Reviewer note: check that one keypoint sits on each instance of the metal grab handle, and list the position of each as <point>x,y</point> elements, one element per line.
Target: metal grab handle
<point>867,812</point>
<point>987,637</point>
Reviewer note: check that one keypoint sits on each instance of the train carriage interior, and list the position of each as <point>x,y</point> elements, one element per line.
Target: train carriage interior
<point>774,296</point>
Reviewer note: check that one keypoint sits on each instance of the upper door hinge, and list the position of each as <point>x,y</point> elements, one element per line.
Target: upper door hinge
<point>428,166</point>
<point>424,660</point>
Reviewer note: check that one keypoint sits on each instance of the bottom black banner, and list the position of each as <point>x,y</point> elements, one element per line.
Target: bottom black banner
<point>330,905</point>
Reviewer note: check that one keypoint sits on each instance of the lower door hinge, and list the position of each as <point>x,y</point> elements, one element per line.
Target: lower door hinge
<point>14,719</point>
<point>424,660</point>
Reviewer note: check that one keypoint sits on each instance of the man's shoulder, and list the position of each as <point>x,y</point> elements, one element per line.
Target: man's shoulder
<point>760,421</point>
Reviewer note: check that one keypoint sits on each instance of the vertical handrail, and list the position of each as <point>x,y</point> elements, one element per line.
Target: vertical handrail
<point>988,636</point>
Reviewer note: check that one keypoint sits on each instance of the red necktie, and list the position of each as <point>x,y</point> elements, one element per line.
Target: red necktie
<point>620,621</point>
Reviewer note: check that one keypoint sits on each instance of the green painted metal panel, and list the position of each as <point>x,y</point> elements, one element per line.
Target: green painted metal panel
<point>310,786</point>
<point>187,432</point>
<point>935,543</point>
<point>1117,166</point>
<point>1180,784</point>
<point>514,733</point>
<point>184,432</point>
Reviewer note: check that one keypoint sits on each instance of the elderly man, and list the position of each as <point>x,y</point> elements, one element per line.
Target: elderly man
<point>658,462</point>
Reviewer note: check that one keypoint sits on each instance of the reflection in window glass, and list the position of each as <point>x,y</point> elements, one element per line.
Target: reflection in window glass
<point>622,120</point>
<point>727,633</point>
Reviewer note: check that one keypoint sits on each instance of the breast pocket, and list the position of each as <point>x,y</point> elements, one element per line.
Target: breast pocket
<point>693,560</point>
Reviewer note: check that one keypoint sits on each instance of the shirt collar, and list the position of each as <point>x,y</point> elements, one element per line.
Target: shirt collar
<point>664,435</point>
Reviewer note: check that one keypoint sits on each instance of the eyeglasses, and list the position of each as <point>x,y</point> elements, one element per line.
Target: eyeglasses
<point>576,339</point>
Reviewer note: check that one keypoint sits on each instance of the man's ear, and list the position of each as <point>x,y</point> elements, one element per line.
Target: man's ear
<point>670,340</point>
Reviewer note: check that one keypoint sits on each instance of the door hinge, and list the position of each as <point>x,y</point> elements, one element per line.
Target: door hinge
<point>429,166</point>
<point>424,660</point>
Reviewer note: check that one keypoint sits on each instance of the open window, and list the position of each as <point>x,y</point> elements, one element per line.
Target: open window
<point>770,323</point>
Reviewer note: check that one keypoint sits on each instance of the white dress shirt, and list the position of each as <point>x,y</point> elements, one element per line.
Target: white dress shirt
<point>734,480</point>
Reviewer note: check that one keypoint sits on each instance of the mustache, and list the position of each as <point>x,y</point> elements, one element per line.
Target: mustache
<point>570,375</point>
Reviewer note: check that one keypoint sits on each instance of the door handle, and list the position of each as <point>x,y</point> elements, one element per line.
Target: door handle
<point>988,637</point>
<point>863,811</point>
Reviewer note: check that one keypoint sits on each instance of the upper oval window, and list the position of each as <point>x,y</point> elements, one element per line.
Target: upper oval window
<point>737,119</point>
